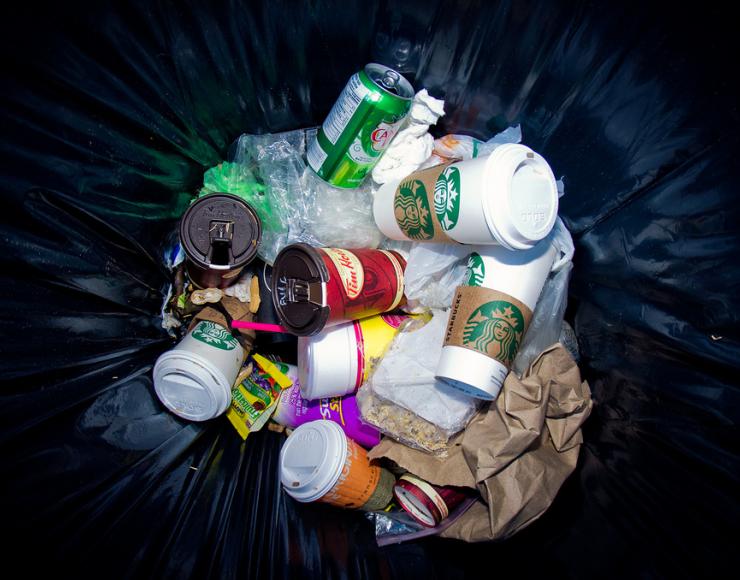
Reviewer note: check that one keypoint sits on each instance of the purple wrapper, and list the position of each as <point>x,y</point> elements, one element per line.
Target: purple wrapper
<point>293,410</point>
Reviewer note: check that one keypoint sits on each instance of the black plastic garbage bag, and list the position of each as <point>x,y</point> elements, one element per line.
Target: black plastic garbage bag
<point>111,112</point>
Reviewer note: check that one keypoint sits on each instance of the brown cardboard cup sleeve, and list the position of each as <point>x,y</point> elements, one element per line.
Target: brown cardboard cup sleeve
<point>413,206</point>
<point>487,321</point>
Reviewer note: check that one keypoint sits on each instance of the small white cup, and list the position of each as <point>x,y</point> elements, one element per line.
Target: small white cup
<point>194,379</point>
<point>520,275</point>
<point>509,198</point>
<point>328,363</point>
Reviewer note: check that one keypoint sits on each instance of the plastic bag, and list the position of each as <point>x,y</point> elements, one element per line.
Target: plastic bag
<point>335,216</point>
<point>395,527</point>
<point>546,325</point>
<point>404,400</point>
<point>294,205</point>
<point>433,272</point>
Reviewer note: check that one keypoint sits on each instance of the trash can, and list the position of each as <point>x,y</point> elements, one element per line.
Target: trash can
<point>111,112</point>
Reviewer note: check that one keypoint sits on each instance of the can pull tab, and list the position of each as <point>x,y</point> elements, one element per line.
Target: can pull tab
<point>221,233</point>
<point>390,80</point>
<point>299,290</point>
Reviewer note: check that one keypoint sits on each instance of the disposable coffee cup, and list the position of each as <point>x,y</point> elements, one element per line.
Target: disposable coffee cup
<point>314,288</point>
<point>194,379</point>
<point>338,360</point>
<point>508,198</point>
<point>490,315</point>
<point>266,314</point>
<point>428,504</point>
<point>220,234</point>
<point>319,462</point>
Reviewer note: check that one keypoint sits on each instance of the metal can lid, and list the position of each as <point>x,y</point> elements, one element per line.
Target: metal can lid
<point>299,278</point>
<point>390,81</point>
<point>220,231</point>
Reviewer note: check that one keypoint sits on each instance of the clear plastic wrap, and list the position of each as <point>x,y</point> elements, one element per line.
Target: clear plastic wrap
<point>433,272</point>
<point>404,400</point>
<point>334,216</point>
<point>270,173</point>
<point>547,319</point>
<point>397,526</point>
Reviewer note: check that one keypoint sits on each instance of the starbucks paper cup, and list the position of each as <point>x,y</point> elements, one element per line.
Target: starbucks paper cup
<point>319,463</point>
<point>490,315</point>
<point>194,379</point>
<point>509,198</point>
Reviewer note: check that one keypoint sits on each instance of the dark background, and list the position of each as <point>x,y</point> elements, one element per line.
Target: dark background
<point>111,112</point>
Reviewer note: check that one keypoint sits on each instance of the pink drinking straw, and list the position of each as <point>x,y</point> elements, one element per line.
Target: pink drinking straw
<point>258,326</point>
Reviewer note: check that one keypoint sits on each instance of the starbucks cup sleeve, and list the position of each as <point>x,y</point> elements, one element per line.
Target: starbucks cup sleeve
<point>229,308</point>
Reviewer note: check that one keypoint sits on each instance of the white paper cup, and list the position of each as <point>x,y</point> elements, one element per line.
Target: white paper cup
<point>336,361</point>
<point>319,462</point>
<point>328,362</point>
<point>496,326</point>
<point>312,459</point>
<point>509,198</point>
<point>194,379</point>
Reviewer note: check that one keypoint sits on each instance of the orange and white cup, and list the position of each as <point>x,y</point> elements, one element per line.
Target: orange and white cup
<point>319,462</point>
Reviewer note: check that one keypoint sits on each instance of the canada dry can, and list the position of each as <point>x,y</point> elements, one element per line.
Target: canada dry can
<point>360,125</point>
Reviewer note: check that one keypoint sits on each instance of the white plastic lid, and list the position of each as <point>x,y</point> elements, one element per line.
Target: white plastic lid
<point>312,460</point>
<point>522,204</point>
<point>190,386</point>
<point>328,362</point>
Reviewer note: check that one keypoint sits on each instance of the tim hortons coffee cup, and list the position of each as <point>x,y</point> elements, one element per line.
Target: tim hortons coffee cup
<point>317,287</point>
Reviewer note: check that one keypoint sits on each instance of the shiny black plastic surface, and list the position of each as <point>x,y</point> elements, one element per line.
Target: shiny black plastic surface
<point>111,112</point>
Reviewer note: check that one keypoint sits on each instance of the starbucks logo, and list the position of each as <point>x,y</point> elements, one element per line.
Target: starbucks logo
<point>412,212</point>
<point>214,335</point>
<point>476,270</point>
<point>495,328</point>
<point>447,197</point>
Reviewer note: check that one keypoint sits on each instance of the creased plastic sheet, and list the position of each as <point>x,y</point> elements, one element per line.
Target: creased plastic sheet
<point>111,112</point>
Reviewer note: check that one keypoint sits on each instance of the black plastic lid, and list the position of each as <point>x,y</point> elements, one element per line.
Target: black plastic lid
<point>220,229</point>
<point>298,287</point>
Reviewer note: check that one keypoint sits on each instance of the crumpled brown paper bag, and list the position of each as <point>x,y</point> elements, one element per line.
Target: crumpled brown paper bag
<point>517,453</point>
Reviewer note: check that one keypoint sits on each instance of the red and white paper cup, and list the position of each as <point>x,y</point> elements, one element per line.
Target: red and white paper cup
<point>428,504</point>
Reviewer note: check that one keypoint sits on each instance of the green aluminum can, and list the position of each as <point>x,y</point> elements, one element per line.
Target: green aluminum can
<point>360,126</point>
